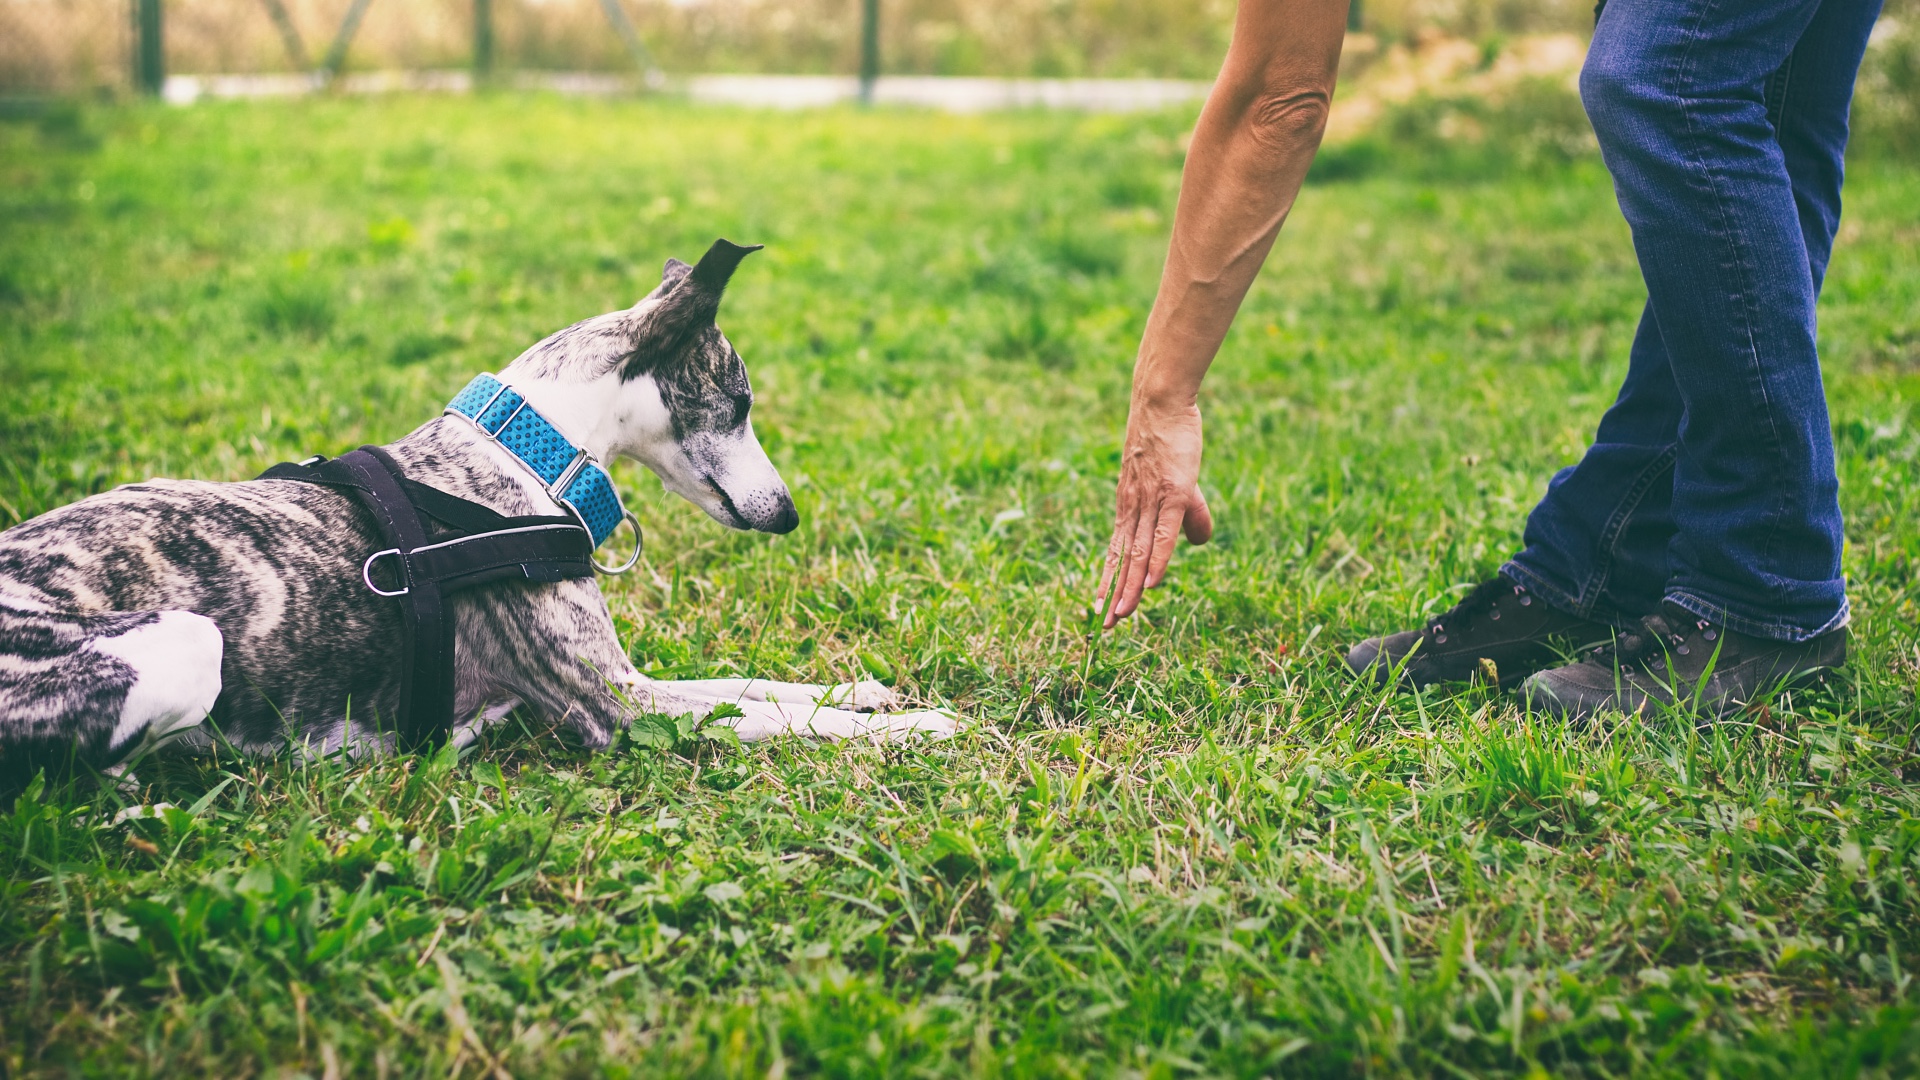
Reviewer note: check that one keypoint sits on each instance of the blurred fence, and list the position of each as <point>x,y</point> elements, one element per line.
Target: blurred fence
<point>89,46</point>
<point>80,45</point>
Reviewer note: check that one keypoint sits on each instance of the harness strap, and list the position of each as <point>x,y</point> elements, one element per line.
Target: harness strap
<point>426,669</point>
<point>484,546</point>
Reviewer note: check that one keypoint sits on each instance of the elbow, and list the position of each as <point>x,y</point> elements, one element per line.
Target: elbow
<point>1287,120</point>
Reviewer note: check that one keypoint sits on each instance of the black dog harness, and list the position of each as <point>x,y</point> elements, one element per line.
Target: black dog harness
<point>420,567</point>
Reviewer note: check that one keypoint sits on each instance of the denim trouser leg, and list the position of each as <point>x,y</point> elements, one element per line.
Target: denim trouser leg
<point>1596,545</point>
<point>1711,481</point>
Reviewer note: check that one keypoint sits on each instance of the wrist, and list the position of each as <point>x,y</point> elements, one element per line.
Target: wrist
<point>1162,397</point>
<point>1167,380</point>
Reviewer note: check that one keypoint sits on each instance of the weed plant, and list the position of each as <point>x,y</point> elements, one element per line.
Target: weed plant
<point>1190,846</point>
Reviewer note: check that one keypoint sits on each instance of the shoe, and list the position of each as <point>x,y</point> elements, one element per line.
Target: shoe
<point>1500,630</point>
<point>1677,657</point>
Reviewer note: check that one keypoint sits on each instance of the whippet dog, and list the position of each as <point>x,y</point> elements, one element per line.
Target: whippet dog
<point>155,611</point>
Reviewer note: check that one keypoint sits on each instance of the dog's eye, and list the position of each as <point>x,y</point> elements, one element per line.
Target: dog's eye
<point>741,404</point>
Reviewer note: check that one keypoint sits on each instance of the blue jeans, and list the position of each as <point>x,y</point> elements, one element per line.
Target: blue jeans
<point>1711,481</point>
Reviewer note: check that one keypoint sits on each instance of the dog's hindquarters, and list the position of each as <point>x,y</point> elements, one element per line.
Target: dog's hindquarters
<point>90,690</point>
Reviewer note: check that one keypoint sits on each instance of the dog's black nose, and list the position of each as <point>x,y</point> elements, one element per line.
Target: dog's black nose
<point>785,518</point>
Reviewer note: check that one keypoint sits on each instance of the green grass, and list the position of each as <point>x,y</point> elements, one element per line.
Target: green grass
<point>1188,846</point>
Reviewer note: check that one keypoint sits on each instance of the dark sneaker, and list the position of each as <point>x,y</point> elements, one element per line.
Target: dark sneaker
<point>1678,657</point>
<point>1500,630</point>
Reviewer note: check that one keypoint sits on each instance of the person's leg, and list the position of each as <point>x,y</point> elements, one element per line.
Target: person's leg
<point>1596,544</point>
<point>1686,98</point>
<point>1808,100</point>
<point>1731,182</point>
<point>1678,93</point>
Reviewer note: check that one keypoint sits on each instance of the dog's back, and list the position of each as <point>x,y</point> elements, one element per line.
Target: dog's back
<point>150,606</point>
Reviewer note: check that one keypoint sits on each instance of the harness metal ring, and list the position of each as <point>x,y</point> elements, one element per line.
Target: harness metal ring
<point>639,545</point>
<point>366,572</point>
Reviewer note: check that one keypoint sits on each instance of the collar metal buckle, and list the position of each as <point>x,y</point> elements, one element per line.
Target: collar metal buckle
<point>559,485</point>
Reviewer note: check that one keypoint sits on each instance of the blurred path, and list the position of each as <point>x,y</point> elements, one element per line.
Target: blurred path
<point>960,95</point>
<point>949,94</point>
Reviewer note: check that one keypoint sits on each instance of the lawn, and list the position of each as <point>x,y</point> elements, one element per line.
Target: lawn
<point>1186,847</point>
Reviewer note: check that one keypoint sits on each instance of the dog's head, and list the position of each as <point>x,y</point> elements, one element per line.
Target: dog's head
<point>666,388</point>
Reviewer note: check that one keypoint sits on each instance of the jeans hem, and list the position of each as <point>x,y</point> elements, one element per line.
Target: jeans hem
<point>1772,630</point>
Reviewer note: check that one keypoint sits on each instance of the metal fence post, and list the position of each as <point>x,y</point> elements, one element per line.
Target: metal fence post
<point>482,40</point>
<point>869,49</point>
<point>289,34</point>
<point>149,54</point>
<point>650,73</point>
<point>336,60</point>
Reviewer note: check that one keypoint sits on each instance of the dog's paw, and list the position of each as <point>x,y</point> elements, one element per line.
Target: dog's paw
<point>925,723</point>
<point>120,775</point>
<point>867,695</point>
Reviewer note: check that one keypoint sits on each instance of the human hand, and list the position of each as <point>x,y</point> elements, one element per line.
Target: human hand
<point>1159,496</point>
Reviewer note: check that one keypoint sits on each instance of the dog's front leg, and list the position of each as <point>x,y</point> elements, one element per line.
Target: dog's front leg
<point>866,695</point>
<point>483,718</point>
<point>555,648</point>
<point>766,719</point>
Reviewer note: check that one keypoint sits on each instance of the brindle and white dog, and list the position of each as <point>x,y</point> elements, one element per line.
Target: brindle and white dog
<point>132,616</point>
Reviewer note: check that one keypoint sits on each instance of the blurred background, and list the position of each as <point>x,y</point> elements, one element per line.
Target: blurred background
<point>86,43</point>
<point>1430,51</point>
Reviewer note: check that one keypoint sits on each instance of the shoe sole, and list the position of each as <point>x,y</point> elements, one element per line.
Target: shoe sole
<point>1377,670</point>
<point>1547,701</point>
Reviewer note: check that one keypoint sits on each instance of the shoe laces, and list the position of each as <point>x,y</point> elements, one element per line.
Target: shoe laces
<point>1482,601</point>
<point>1656,634</point>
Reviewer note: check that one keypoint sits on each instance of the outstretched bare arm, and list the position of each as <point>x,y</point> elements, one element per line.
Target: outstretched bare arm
<point>1250,151</point>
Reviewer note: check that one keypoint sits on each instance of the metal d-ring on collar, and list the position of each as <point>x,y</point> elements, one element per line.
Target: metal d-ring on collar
<point>580,460</point>
<point>639,542</point>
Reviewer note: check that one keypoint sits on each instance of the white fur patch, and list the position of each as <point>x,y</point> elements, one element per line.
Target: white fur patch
<point>176,665</point>
<point>773,709</point>
<point>467,732</point>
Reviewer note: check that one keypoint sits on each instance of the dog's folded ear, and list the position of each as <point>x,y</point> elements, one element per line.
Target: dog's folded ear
<point>669,277</point>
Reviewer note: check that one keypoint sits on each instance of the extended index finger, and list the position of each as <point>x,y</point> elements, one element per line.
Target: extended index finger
<point>1115,562</point>
<point>1132,578</point>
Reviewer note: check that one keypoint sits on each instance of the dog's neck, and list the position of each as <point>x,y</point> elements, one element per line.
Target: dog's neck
<point>587,413</point>
<point>608,417</point>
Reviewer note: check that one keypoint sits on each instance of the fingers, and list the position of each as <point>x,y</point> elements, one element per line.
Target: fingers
<point>1166,530</point>
<point>1157,499</point>
<point>1145,535</point>
<point>1116,551</point>
<point>1132,578</point>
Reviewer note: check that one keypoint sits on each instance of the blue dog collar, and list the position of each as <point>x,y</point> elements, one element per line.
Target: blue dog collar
<point>573,477</point>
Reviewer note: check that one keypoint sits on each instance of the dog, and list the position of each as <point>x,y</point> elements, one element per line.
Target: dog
<point>154,611</point>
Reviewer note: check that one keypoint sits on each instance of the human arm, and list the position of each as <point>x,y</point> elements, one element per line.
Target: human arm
<point>1255,138</point>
